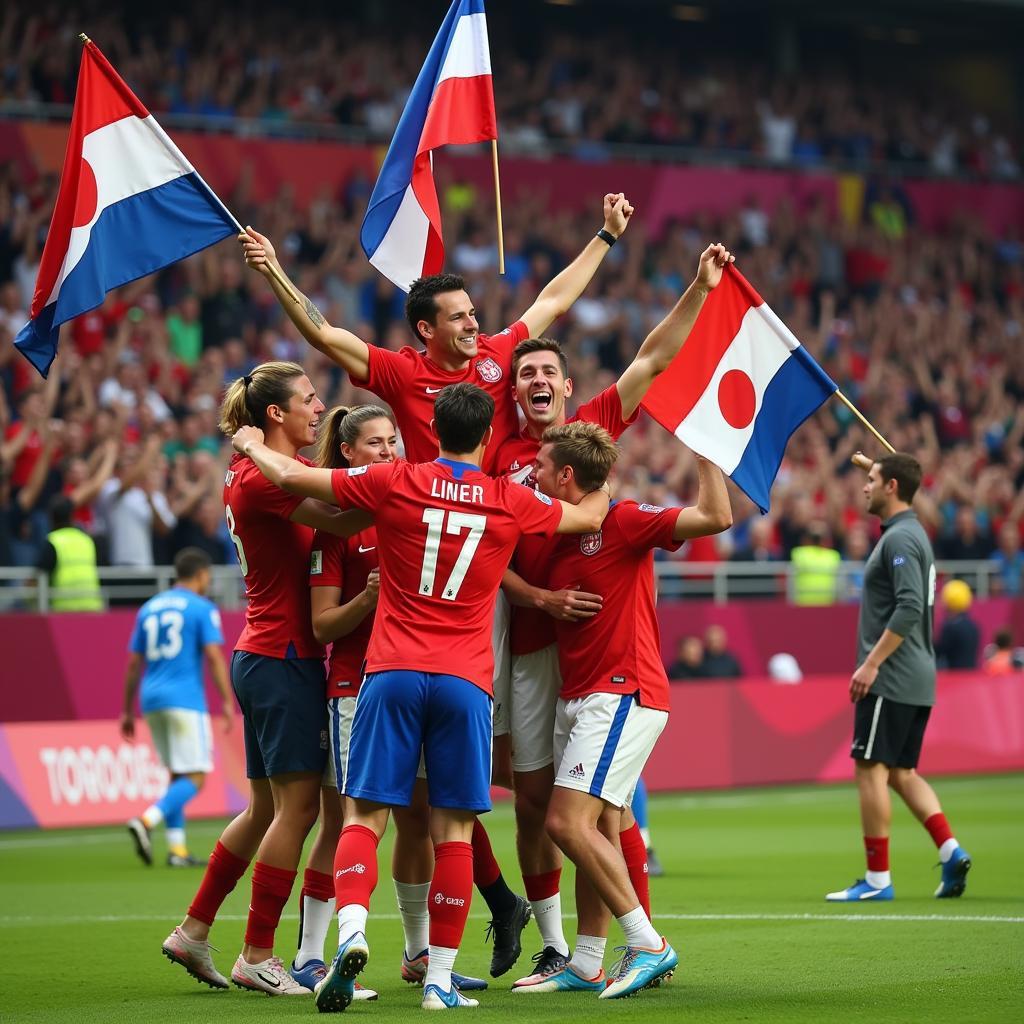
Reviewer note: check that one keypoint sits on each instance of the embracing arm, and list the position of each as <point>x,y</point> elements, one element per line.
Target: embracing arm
<point>712,513</point>
<point>565,288</point>
<point>285,472</point>
<point>587,516</point>
<point>332,620</point>
<point>569,605</point>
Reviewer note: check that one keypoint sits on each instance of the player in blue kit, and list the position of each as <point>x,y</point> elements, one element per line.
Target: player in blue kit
<point>175,632</point>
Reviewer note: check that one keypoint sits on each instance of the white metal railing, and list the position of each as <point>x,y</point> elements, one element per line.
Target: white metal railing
<point>30,590</point>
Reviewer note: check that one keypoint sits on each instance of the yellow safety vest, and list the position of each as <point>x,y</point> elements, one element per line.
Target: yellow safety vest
<point>814,581</point>
<point>74,577</point>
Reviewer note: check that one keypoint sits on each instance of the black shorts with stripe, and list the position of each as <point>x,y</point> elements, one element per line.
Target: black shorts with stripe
<point>888,732</point>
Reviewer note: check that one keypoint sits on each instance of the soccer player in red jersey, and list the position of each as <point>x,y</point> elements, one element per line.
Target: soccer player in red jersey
<point>541,386</point>
<point>446,532</point>
<point>614,700</point>
<point>277,676</point>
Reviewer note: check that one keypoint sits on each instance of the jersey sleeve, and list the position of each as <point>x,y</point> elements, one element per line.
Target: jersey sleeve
<point>535,512</point>
<point>648,526</point>
<point>389,374</point>
<point>903,558</point>
<point>209,624</point>
<point>363,486</point>
<point>502,343</point>
<point>605,410</point>
<point>137,645</point>
<point>269,498</point>
<point>327,560</point>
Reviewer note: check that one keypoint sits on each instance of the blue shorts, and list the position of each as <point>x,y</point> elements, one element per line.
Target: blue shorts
<point>284,713</point>
<point>400,713</point>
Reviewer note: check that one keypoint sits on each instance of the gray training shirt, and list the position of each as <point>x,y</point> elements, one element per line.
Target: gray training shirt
<point>899,595</point>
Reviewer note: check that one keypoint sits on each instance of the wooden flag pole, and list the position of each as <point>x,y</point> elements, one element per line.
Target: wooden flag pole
<point>860,416</point>
<point>497,206</point>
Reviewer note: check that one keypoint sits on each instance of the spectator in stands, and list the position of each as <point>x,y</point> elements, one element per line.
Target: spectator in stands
<point>815,568</point>
<point>1000,657</point>
<point>205,529</point>
<point>967,541</point>
<point>689,659</point>
<point>760,549</point>
<point>718,661</point>
<point>959,638</point>
<point>1009,559</point>
<point>69,556</point>
<point>856,548</point>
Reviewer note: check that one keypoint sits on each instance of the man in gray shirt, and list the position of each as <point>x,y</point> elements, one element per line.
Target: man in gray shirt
<point>894,684</point>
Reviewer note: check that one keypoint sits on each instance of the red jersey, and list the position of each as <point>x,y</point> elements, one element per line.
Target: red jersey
<point>531,629</point>
<point>27,457</point>
<point>446,534</point>
<point>273,553</point>
<point>345,562</point>
<point>409,382</point>
<point>619,649</point>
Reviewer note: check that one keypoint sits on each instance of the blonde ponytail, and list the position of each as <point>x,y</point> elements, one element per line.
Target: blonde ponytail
<point>342,425</point>
<point>247,399</point>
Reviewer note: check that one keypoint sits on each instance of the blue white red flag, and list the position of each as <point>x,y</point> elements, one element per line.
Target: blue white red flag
<point>129,203</point>
<point>739,387</point>
<point>452,103</point>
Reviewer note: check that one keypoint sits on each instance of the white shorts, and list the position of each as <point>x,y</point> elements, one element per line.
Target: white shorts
<point>602,742</point>
<point>536,680</point>
<point>183,738</point>
<point>500,711</point>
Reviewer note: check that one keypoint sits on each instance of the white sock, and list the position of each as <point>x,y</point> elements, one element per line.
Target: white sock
<point>638,930</point>
<point>548,915</point>
<point>175,837</point>
<point>439,970</point>
<point>412,905</point>
<point>152,816</point>
<point>316,920</point>
<point>645,835</point>
<point>947,848</point>
<point>588,956</point>
<point>878,879</point>
<point>351,919</point>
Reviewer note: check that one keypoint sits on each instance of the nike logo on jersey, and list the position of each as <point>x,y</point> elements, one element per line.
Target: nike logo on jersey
<point>433,391</point>
<point>363,550</point>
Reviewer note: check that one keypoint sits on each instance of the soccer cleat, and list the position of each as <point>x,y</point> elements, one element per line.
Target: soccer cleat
<point>508,931</point>
<point>547,962</point>
<point>267,976</point>
<point>415,970</point>
<point>194,956</point>
<point>639,969</point>
<point>654,868</point>
<point>860,890</point>
<point>954,875</point>
<point>143,844</point>
<point>564,979</point>
<point>337,990</point>
<point>310,974</point>
<point>362,994</point>
<point>435,998</point>
<point>184,860</point>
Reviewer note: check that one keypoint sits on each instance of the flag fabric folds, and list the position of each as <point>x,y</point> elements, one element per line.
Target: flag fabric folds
<point>129,203</point>
<point>452,103</point>
<point>739,387</point>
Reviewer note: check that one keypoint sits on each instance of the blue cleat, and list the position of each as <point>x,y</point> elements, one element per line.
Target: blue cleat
<point>337,989</point>
<point>309,976</point>
<point>435,998</point>
<point>860,890</point>
<point>563,980</point>
<point>954,875</point>
<point>639,969</point>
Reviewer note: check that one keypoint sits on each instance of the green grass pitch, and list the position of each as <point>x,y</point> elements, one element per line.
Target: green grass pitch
<point>81,922</point>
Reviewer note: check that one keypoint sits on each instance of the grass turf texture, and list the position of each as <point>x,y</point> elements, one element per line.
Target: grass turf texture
<point>81,922</point>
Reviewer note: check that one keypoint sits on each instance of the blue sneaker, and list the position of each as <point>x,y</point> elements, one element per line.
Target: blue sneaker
<point>639,969</point>
<point>309,976</point>
<point>954,875</point>
<point>860,890</point>
<point>414,970</point>
<point>563,980</point>
<point>337,990</point>
<point>435,998</point>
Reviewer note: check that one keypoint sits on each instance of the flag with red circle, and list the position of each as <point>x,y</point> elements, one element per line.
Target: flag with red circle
<point>739,387</point>
<point>129,204</point>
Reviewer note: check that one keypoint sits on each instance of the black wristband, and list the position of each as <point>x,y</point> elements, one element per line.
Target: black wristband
<point>607,236</point>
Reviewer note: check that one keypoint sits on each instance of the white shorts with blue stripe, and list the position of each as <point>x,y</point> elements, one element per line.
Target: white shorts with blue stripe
<point>602,742</point>
<point>183,739</point>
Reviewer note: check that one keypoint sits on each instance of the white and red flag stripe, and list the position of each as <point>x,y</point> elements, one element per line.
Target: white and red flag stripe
<point>452,103</point>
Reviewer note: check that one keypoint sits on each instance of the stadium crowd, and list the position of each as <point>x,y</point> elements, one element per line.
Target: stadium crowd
<point>556,88</point>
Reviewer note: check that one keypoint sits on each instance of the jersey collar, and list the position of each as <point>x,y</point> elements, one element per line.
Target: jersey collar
<point>907,513</point>
<point>459,468</point>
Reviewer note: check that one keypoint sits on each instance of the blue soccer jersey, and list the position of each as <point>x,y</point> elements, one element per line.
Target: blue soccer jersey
<point>171,631</point>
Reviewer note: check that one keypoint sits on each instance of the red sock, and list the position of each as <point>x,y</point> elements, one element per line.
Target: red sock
<point>542,887</point>
<point>451,890</point>
<point>877,849</point>
<point>938,828</point>
<point>634,853</point>
<point>271,888</point>
<point>223,871</point>
<point>485,868</point>
<point>355,866</point>
<point>317,885</point>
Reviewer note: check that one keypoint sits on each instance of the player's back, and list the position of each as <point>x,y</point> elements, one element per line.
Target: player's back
<point>171,631</point>
<point>446,533</point>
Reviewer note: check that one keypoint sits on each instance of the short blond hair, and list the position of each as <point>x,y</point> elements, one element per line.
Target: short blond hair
<point>587,448</point>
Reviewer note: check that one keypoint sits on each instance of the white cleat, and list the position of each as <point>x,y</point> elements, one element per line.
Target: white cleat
<point>435,998</point>
<point>270,976</point>
<point>194,956</point>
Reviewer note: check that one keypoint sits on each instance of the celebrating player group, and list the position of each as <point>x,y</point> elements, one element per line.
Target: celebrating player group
<point>491,617</point>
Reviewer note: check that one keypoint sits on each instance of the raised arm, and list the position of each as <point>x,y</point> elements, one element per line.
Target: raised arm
<point>565,288</point>
<point>662,345</point>
<point>712,513</point>
<point>350,352</point>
